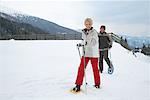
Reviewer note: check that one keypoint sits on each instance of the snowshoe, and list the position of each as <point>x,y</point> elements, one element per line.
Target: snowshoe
<point>110,70</point>
<point>97,86</point>
<point>76,89</point>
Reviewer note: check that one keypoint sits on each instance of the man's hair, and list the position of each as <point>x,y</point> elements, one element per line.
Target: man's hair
<point>88,20</point>
<point>103,27</point>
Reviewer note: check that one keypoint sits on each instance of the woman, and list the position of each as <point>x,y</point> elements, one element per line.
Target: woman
<point>90,43</point>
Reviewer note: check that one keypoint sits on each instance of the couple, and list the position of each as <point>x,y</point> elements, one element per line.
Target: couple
<point>96,46</point>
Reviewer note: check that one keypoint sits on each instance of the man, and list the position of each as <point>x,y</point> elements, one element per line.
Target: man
<point>105,43</point>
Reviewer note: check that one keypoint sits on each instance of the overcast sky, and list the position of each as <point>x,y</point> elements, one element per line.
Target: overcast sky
<point>124,16</point>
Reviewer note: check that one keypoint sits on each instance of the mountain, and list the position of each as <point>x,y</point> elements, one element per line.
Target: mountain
<point>47,26</point>
<point>9,27</point>
<point>134,44</point>
<point>136,41</point>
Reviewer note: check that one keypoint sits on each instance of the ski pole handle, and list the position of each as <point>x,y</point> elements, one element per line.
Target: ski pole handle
<point>80,45</point>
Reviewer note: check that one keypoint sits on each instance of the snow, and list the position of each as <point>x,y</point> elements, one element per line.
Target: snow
<point>12,12</point>
<point>46,70</point>
<point>2,15</point>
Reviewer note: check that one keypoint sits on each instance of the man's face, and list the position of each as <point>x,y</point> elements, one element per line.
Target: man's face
<point>88,25</point>
<point>102,30</point>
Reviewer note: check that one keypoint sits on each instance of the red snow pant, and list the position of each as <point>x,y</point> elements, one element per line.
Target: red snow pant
<point>94,62</point>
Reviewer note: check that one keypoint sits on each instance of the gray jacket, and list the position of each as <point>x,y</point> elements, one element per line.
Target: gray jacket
<point>105,40</point>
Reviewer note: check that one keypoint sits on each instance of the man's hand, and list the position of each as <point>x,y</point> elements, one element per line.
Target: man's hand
<point>110,46</point>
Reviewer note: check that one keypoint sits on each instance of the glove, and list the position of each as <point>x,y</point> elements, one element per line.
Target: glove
<point>79,45</point>
<point>110,46</point>
<point>86,43</point>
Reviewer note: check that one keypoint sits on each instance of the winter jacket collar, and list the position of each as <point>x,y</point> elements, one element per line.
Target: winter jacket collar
<point>102,32</point>
<point>86,31</point>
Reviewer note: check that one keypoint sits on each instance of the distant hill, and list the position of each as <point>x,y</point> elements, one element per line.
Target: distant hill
<point>9,28</point>
<point>133,43</point>
<point>27,24</point>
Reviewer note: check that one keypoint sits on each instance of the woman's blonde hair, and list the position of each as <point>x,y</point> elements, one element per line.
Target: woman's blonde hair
<point>88,20</point>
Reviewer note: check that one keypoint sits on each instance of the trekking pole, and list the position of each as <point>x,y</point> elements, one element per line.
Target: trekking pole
<point>79,51</point>
<point>110,58</point>
<point>111,64</point>
<point>84,69</point>
<point>109,54</point>
<point>83,48</point>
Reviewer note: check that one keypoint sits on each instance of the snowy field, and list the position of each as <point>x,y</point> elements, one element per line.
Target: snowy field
<point>46,70</point>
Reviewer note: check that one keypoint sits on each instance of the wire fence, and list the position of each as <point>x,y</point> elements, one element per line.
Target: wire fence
<point>42,37</point>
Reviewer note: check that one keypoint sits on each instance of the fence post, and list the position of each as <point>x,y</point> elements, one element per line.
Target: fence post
<point>75,36</point>
<point>64,36</point>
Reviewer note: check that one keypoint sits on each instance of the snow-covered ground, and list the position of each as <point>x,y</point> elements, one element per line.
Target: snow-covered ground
<point>46,70</point>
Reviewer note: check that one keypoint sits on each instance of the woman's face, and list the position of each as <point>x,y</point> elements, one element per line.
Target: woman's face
<point>88,25</point>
